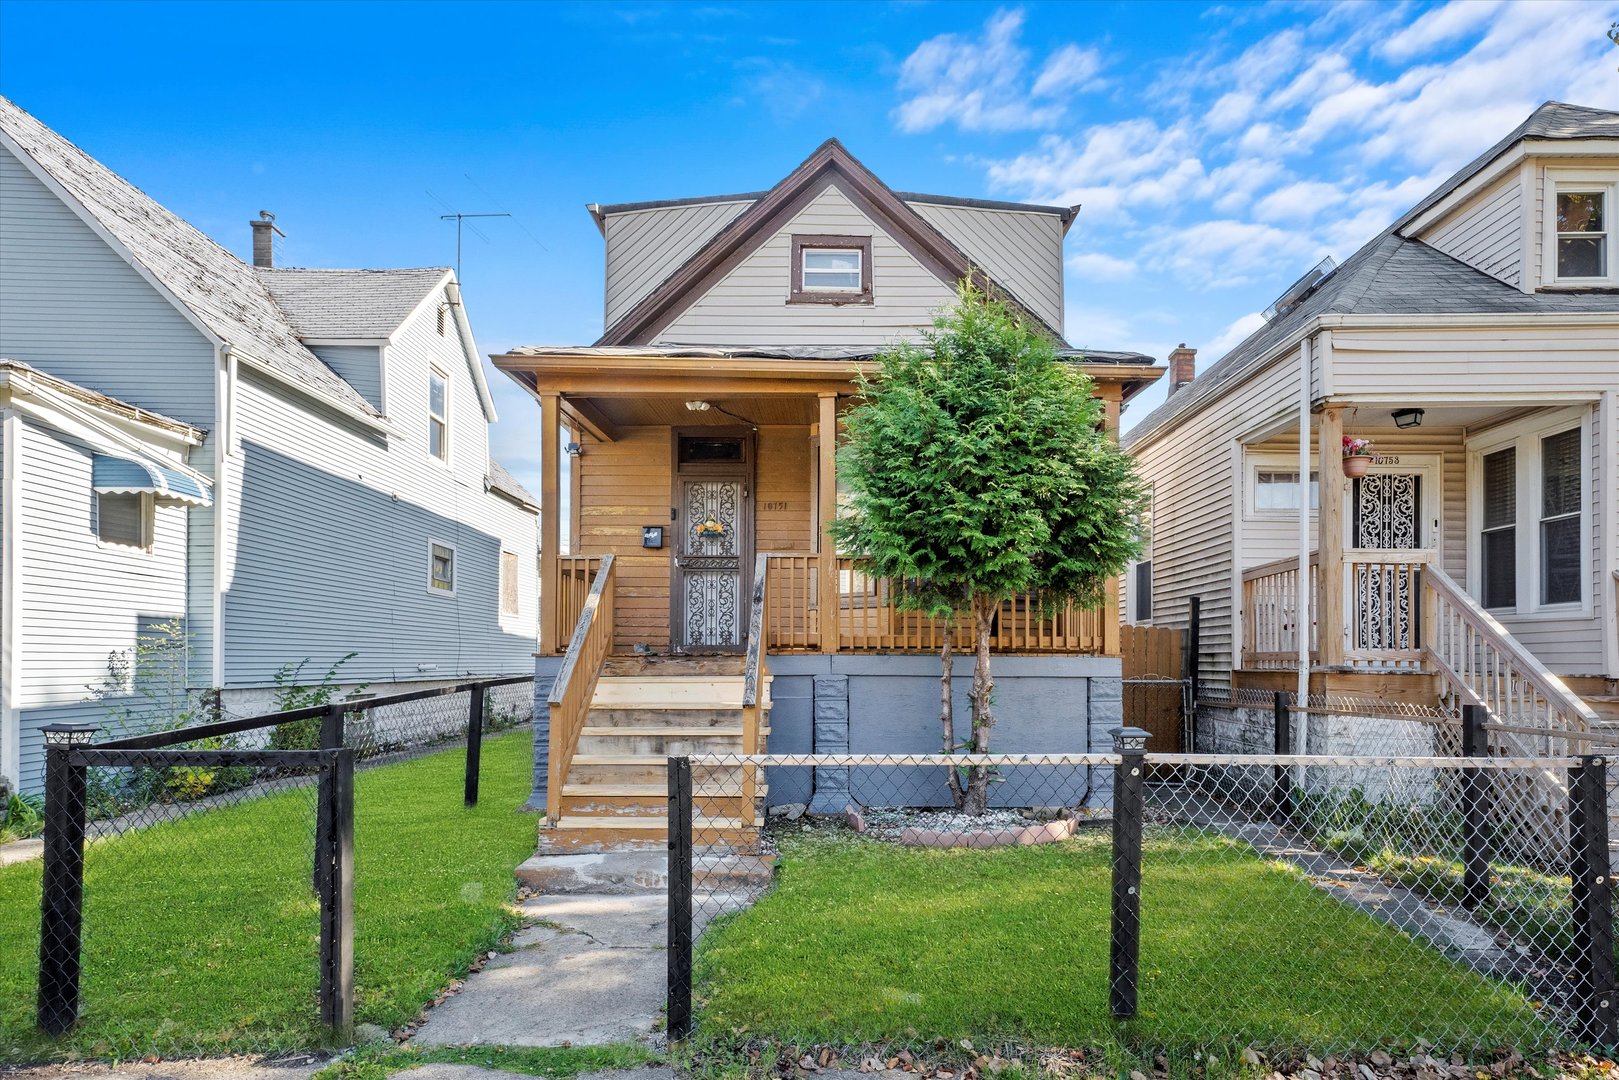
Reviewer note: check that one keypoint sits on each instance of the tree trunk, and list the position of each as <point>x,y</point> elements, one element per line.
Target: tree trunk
<point>977,794</point>
<point>947,710</point>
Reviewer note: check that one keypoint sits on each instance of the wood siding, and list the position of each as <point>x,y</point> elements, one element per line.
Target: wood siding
<point>1487,232</point>
<point>627,483</point>
<point>645,246</point>
<point>82,600</point>
<point>748,306</point>
<point>1022,251</point>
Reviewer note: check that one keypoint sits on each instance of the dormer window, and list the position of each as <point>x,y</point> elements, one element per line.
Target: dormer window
<point>1579,229</point>
<point>831,270</point>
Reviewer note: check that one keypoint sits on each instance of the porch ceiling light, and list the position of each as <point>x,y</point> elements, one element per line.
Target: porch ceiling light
<point>698,406</point>
<point>1407,418</point>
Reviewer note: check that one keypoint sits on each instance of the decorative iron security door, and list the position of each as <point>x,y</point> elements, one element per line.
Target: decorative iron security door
<point>1388,517</point>
<point>713,540</point>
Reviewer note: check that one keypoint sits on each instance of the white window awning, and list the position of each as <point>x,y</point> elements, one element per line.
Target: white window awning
<point>132,475</point>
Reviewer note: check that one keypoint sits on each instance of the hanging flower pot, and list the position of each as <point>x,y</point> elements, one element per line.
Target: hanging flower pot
<point>711,527</point>
<point>1357,456</point>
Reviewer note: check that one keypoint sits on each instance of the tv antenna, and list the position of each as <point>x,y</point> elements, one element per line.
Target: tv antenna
<point>459,218</point>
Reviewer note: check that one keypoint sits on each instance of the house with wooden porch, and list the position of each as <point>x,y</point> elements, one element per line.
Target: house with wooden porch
<point>692,599</point>
<point>1472,555</point>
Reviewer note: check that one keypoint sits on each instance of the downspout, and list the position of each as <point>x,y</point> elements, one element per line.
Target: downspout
<point>10,596</point>
<point>224,433</point>
<point>1305,600</point>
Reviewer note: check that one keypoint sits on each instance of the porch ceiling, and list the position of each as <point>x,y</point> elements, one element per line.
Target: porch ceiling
<point>1379,418</point>
<point>671,411</point>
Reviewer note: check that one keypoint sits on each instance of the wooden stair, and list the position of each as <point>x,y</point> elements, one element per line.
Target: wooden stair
<point>615,795</point>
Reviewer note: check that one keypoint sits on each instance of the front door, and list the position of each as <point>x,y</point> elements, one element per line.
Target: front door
<point>1389,511</point>
<point>714,542</point>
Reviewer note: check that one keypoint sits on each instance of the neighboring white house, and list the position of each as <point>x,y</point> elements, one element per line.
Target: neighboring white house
<point>314,447</point>
<point>1476,342</point>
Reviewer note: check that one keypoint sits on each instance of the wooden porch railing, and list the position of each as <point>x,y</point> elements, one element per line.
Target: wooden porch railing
<point>576,681</point>
<point>574,574</point>
<point>755,676</point>
<point>1480,661</point>
<point>1383,608</point>
<point>1270,613</point>
<point>867,616</point>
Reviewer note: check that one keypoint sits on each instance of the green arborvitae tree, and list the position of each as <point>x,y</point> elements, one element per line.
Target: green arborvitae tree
<point>979,468</point>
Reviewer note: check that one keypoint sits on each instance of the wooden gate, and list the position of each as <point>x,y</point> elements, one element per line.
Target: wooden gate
<point>1154,686</point>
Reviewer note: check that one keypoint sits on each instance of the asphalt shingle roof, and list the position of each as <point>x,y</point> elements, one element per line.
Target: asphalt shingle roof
<point>500,479</point>
<point>1395,275</point>
<point>222,292</point>
<point>349,303</point>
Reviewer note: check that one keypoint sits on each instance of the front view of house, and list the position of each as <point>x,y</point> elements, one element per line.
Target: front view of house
<point>1471,553</point>
<point>700,438</point>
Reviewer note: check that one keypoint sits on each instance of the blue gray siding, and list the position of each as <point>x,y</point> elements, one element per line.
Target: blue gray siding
<point>360,366</point>
<point>72,306</point>
<point>82,600</point>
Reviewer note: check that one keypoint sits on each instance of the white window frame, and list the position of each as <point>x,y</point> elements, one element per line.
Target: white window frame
<point>1276,463</point>
<point>455,559</point>
<point>148,525</point>
<point>804,270</point>
<point>1571,181</point>
<point>433,372</point>
<point>517,585</point>
<point>1132,593</point>
<point>1526,436</point>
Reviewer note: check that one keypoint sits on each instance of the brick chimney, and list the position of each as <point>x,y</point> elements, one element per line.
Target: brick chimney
<point>264,232</point>
<point>1182,366</point>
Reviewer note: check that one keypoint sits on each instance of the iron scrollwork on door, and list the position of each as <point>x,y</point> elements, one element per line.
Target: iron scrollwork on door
<point>1387,508</point>
<point>711,566</point>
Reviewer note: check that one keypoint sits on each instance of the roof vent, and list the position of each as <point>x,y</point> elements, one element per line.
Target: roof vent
<point>1301,288</point>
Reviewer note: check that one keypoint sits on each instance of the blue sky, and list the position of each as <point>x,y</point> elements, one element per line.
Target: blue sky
<point>1218,150</point>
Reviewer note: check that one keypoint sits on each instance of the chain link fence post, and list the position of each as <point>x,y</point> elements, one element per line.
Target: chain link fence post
<point>1282,775</point>
<point>678,1002</point>
<point>335,854</point>
<point>61,921</point>
<point>1591,893</point>
<point>475,707</point>
<point>1130,743</point>
<point>1475,817</point>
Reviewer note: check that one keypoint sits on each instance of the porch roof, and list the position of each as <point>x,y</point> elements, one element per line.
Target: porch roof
<point>758,368</point>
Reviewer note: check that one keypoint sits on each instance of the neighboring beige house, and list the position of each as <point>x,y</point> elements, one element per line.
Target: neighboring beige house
<point>1476,342</point>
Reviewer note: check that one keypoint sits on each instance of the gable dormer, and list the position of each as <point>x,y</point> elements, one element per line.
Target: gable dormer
<point>829,256</point>
<point>1537,209</point>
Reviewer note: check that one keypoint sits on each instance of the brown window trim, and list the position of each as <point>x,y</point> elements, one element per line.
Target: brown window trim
<point>800,295</point>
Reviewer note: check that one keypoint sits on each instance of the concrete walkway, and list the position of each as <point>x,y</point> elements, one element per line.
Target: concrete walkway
<point>591,972</point>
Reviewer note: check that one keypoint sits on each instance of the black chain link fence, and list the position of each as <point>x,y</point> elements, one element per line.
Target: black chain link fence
<point>1336,903</point>
<point>162,851</point>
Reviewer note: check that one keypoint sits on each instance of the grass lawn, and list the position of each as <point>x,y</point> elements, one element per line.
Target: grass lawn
<point>200,936</point>
<point>868,942</point>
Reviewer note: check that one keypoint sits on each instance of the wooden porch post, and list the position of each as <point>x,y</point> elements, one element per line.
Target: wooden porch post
<point>1330,539</point>
<point>827,493</point>
<point>551,633</point>
<point>1112,395</point>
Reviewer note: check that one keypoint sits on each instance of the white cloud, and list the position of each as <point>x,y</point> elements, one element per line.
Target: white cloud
<point>1225,252</point>
<point>1438,27</point>
<point>1235,333</point>
<point>1104,167</point>
<point>981,84</point>
<point>1099,266</point>
<point>1069,68</point>
<point>1299,202</point>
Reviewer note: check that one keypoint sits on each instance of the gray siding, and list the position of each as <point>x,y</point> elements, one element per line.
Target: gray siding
<point>645,246</point>
<point>749,305</point>
<point>1487,233</point>
<point>1021,251</point>
<point>331,528</point>
<point>82,600</point>
<point>360,366</point>
<point>72,306</point>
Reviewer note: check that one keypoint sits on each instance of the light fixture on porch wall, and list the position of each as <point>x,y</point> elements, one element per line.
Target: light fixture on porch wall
<point>1407,418</point>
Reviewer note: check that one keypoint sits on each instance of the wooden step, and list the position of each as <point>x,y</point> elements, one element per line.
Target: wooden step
<point>655,717</point>
<point>670,731</point>
<point>654,791</point>
<point>673,665</point>
<point>644,800</point>
<point>669,693</point>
